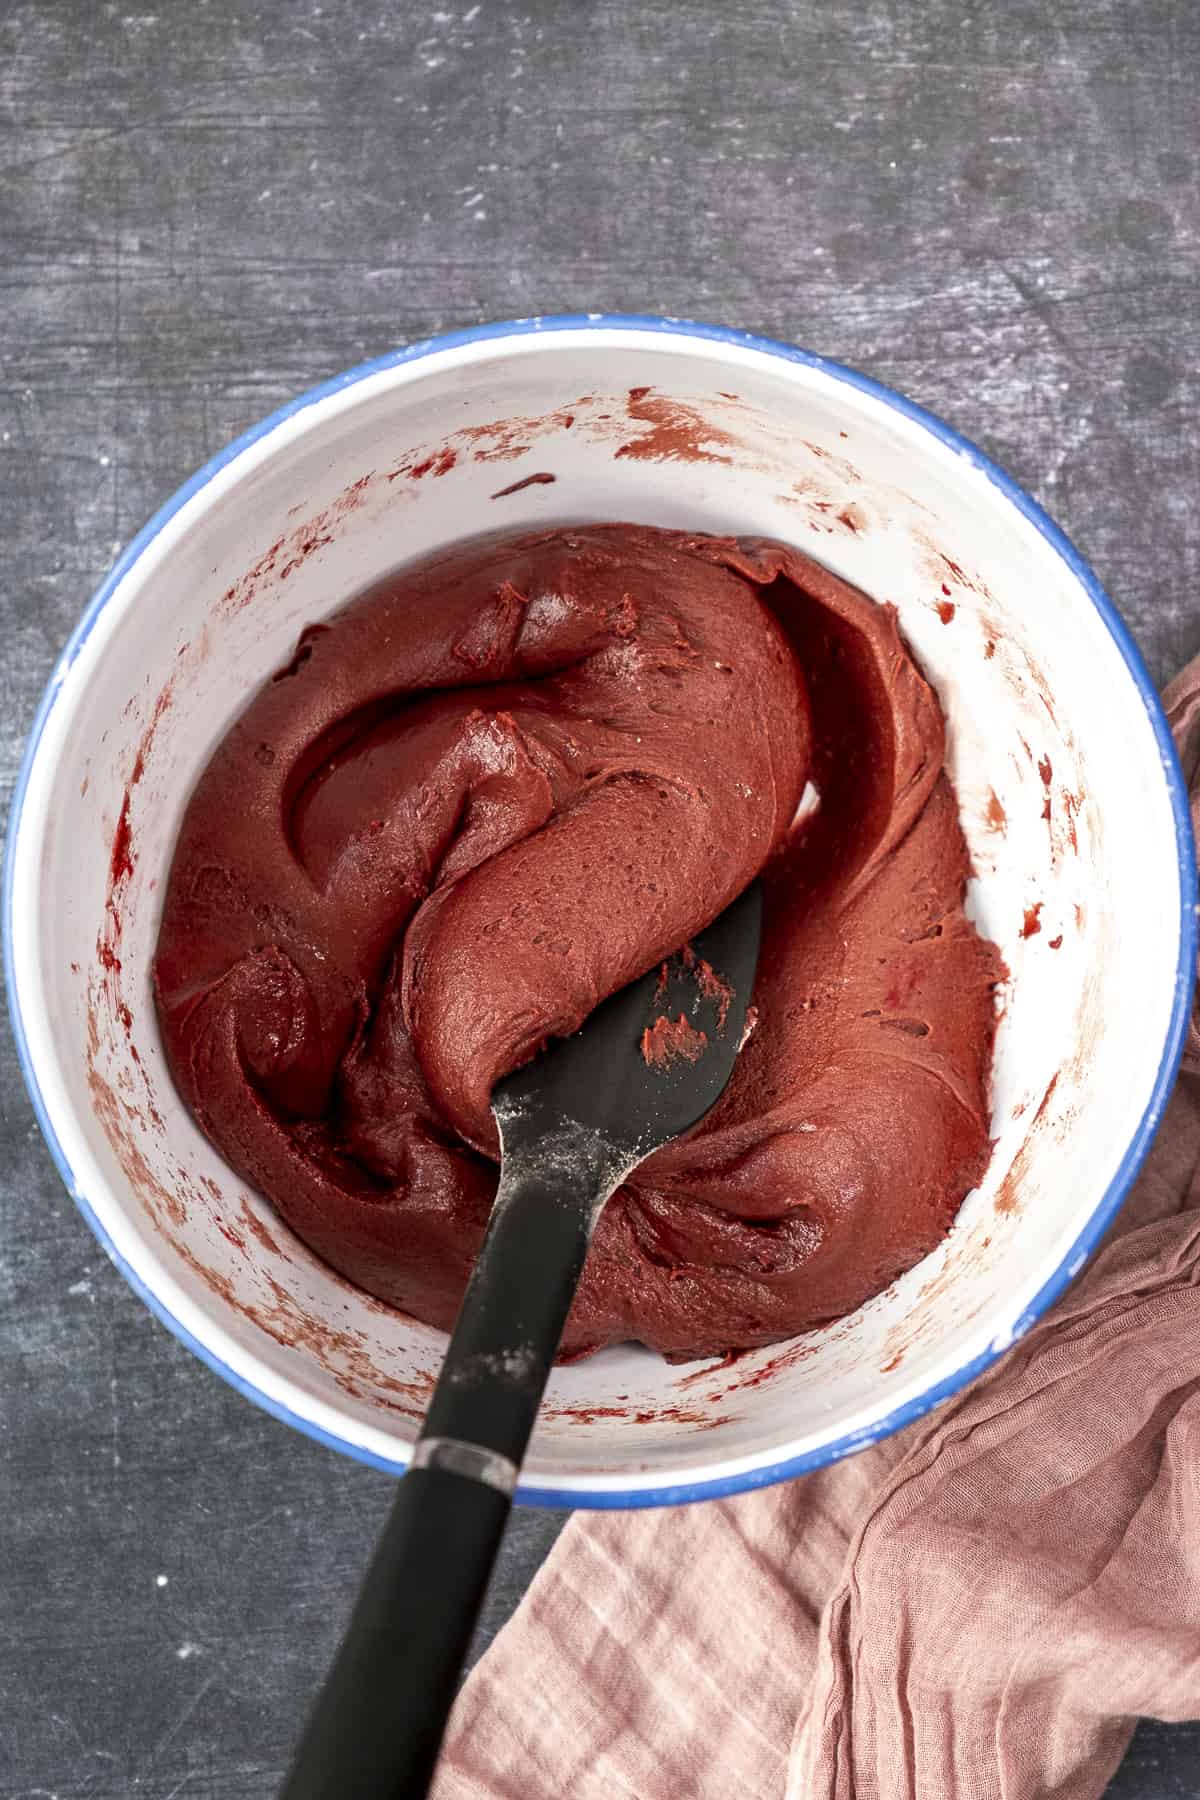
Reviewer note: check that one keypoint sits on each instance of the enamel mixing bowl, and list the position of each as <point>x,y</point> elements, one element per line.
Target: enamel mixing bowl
<point>1071,798</point>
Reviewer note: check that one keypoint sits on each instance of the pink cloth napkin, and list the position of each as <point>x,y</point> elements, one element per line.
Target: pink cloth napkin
<point>981,1606</point>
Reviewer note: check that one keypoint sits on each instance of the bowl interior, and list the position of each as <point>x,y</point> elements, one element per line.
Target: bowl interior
<point>1059,774</point>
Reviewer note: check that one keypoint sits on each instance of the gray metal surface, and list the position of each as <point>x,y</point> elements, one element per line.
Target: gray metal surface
<point>205,209</point>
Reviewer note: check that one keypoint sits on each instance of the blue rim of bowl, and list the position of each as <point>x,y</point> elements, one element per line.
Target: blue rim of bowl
<point>1101,1216</point>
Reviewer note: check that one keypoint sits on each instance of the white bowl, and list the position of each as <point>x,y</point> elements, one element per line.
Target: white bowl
<point>358,477</point>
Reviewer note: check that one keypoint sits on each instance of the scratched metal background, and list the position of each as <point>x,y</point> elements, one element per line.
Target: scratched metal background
<point>203,210</point>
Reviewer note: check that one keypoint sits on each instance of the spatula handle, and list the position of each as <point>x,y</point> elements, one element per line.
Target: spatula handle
<point>516,1304</point>
<point>377,1726</point>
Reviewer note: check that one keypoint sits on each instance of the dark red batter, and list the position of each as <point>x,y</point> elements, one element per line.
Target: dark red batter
<point>668,1039</point>
<point>499,787</point>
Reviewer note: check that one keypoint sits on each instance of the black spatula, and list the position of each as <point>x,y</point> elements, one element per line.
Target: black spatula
<point>644,1068</point>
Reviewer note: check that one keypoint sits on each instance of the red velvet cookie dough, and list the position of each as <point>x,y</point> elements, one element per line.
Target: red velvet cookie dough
<point>498,787</point>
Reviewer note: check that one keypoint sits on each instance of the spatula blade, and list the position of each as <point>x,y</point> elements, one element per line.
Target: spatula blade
<point>648,1063</point>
